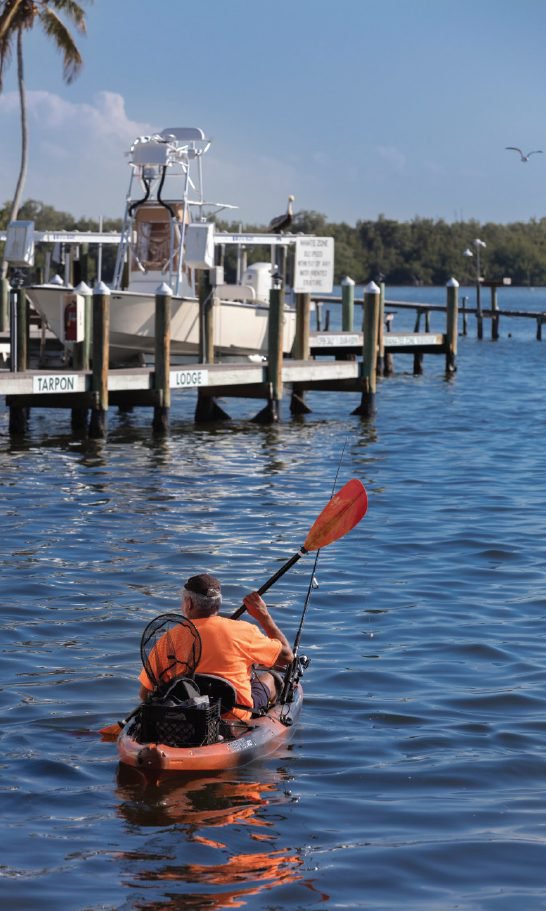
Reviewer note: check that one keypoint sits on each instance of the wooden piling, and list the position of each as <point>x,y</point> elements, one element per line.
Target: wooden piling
<point>451,325</point>
<point>465,318</point>
<point>162,384</point>
<point>300,350</point>
<point>479,315</point>
<point>495,315</point>
<point>275,335</point>
<point>81,357</point>
<point>99,379</point>
<point>19,332</point>
<point>347,304</point>
<point>388,360</point>
<point>369,351</point>
<point>206,318</point>
<point>23,328</point>
<point>4,305</point>
<point>207,408</point>
<point>80,354</point>
<point>381,332</point>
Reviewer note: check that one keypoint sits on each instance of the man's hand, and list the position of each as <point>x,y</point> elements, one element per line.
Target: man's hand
<point>256,606</point>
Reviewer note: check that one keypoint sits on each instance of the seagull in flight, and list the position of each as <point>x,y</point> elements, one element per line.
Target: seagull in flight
<point>524,157</point>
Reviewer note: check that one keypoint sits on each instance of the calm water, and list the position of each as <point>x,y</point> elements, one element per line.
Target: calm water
<point>417,778</point>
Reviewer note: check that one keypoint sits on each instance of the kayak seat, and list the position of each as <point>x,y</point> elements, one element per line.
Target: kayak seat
<point>217,689</point>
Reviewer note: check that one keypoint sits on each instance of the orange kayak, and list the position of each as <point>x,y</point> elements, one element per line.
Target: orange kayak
<point>260,738</point>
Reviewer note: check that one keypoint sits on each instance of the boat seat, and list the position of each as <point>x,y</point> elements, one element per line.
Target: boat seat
<point>217,688</point>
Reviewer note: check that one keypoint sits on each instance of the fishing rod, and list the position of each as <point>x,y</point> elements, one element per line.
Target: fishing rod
<point>298,664</point>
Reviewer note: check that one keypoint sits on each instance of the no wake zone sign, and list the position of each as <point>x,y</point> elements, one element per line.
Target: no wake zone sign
<point>314,265</point>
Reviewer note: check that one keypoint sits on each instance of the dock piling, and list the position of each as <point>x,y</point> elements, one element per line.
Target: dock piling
<point>347,304</point>
<point>18,312</point>
<point>163,306</point>
<point>4,305</point>
<point>495,315</point>
<point>452,307</point>
<point>270,414</point>
<point>207,408</point>
<point>369,351</point>
<point>99,379</point>
<point>300,350</point>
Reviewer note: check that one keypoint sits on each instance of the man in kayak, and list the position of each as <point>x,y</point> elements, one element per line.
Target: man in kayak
<point>231,648</point>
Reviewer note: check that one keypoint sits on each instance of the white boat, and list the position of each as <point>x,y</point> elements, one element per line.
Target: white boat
<point>168,237</point>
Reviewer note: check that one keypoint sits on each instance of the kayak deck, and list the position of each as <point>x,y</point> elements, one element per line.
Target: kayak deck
<point>262,737</point>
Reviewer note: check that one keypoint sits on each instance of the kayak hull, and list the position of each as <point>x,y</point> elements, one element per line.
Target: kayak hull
<point>263,736</point>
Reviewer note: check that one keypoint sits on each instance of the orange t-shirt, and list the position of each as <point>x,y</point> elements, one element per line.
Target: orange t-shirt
<point>229,648</point>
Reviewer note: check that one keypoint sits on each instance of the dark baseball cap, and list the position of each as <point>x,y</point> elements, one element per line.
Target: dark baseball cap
<point>204,584</point>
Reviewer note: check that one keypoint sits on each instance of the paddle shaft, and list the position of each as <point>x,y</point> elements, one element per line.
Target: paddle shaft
<point>280,572</point>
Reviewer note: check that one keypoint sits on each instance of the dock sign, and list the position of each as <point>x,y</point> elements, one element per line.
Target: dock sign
<point>187,379</point>
<point>314,265</point>
<point>58,382</point>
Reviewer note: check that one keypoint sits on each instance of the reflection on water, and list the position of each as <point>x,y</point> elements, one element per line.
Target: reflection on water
<point>185,811</point>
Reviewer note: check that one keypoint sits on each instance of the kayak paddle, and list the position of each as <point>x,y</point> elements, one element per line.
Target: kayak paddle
<point>345,510</point>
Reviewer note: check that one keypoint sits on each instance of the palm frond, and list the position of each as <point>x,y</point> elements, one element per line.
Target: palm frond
<point>55,28</point>
<point>14,14</point>
<point>70,8</point>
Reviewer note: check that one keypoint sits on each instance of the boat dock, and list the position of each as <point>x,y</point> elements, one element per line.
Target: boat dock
<point>335,361</point>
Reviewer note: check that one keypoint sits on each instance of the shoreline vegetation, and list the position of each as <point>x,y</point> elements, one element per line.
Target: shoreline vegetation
<point>420,252</point>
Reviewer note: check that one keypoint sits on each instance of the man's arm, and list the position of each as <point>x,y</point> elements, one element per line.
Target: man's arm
<point>257,608</point>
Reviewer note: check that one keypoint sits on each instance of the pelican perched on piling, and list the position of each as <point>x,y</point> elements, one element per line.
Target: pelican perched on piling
<point>522,155</point>
<point>282,222</point>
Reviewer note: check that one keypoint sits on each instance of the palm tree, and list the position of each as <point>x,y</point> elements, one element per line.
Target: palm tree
<point>16,17</point>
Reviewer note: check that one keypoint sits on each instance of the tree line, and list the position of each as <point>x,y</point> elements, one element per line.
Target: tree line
<point>422,251</point>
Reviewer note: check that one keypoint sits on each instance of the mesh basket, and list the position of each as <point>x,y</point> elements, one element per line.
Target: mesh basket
<point>179,726</point>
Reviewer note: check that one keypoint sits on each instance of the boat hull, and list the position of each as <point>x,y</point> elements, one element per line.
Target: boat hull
<point>239,328</point>
<point>263,737</point>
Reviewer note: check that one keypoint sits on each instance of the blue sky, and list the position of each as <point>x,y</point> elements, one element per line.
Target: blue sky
<point>399,107</point>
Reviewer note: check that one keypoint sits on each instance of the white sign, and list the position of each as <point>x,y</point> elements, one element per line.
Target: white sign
<point>335,341</point>
<point>186,379</point>
<point>58,382</point>
<point>314,265</point>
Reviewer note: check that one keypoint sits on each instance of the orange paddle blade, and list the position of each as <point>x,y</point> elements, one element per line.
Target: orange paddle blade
<point>111,731</point>
<point>346,508</point>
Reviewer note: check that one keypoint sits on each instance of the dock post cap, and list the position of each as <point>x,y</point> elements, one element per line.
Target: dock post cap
<point>372,288</point>
<point>83,288</point>
<point>347,281</point>
<point>452,283</point>
<point>164,290</point>
<point>101,288</point>
<point>56,280</point>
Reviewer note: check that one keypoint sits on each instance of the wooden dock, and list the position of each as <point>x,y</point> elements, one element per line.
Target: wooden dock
<point>344,361</point>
